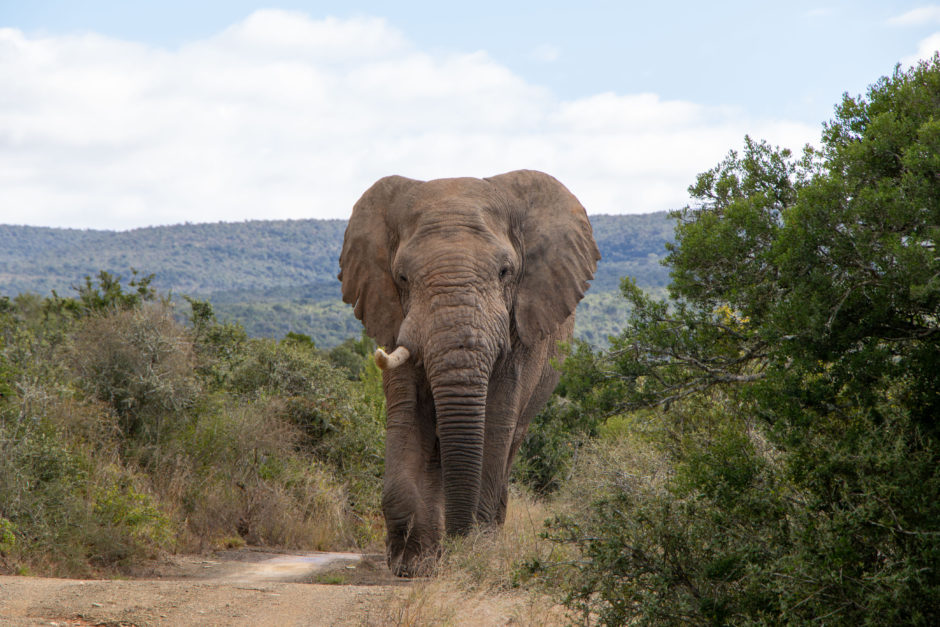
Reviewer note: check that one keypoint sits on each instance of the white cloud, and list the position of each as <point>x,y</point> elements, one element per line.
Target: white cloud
<point>282,116</point>
<point>918,17</point>
<point>921,16</point>
<point>925,50</point>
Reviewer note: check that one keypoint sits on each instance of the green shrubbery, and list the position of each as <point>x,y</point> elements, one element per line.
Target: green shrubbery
<point>140,362</point>
<point>558,431</point>
<point>791,384</point>
<point>124,433</point>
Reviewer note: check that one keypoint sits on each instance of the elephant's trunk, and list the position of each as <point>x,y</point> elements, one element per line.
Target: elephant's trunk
<point>460,404</point>
<point>458,368</point>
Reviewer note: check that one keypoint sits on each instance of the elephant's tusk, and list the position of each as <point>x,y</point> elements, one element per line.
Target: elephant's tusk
<point>385,361</point>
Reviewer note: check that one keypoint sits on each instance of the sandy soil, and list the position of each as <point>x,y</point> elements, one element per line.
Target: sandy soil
<point>241,587</point>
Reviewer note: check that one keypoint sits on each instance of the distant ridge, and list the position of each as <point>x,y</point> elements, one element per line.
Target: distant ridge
<point>186,258</point>
<point>267,264</point>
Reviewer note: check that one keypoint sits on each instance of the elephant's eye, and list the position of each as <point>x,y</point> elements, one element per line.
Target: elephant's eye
<point>504,272</point>
<point>402,278</point>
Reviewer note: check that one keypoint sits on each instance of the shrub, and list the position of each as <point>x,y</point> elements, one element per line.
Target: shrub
<point>124,433</point>
<point>342,425</point>
<point>71,505</point>
<point>237,470</point>
<point>353,355</point>
<point>140,361</point>
<point>559,429</point>
<point>672,535</point>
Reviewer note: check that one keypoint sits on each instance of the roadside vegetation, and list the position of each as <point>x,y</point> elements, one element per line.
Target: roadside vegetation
<point>758,445</point>
<point>763,447</point>
<point>124,433</point>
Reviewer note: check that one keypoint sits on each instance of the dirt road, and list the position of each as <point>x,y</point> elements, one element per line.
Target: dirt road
<point>243,587</point>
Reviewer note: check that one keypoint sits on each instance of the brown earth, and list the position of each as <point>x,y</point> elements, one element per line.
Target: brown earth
<point>239,587</point>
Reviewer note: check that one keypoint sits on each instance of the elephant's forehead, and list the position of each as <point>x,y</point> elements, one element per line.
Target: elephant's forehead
<point>465,196</point>
<point>456,222</point>
<point>458,216</point>
<point>455,234</point>
<point>439,189</point>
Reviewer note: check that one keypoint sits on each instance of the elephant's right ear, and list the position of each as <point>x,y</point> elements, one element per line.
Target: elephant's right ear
<point>366,259</point>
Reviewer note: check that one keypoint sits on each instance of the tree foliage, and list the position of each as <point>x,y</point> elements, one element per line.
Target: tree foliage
<point>805,304</point>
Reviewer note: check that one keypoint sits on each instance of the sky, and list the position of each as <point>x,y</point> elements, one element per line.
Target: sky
<point>118,115</point>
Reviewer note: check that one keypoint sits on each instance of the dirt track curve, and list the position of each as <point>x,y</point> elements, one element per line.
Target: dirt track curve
<point>243,587</point>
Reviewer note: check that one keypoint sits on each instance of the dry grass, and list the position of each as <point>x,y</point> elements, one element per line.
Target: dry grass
<point>478,579</point>
<point>441,601</point>
<point>236,472</point>
<point>623,461</point>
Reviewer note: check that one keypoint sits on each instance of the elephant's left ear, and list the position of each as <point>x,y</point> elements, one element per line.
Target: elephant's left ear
<point>560,255</point>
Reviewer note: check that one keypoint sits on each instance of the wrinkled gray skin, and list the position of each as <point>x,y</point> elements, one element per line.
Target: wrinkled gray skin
<point>478,279</point>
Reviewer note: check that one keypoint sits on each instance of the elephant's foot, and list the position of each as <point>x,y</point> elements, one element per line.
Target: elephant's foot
<point>492,510</point>
<point>413,563</point>
<point>418,565</point>
<point>411,551</point>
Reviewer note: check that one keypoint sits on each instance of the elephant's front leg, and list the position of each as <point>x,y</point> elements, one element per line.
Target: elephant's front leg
<point>494,489</point>
<point>501,411</point>
<point>412,498</point>
<point>517,393</point>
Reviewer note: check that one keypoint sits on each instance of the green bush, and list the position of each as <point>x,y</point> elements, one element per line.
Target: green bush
<point>140,361</point>
<point>69,503</point>
<point>795,374</point>
<point>7,536</point>
<point>353,355</point>
<point>288,451</point>
<point>546,454</point>
<point>124,433</point>
<point>238,470</point>
<point>342,424</point>
<point>559,429</point>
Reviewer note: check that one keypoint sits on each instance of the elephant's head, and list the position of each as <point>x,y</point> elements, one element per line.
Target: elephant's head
<point>454,274</point>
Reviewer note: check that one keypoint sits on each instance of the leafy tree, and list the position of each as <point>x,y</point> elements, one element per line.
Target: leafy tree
<point>805,302</point>
<point>108,292</point>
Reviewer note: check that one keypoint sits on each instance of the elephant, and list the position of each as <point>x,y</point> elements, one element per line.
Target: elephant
<point>474,283</point>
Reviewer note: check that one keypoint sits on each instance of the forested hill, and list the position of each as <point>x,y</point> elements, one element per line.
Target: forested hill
<point>187,258</point>
<point>260,255</point>
<point>272,276</point>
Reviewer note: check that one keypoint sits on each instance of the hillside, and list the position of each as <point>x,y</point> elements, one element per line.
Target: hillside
<point>279,276</point>
<point>186,258</point>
